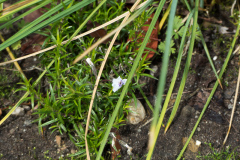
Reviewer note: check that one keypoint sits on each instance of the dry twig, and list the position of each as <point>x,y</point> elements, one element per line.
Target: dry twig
<point>234,106</point>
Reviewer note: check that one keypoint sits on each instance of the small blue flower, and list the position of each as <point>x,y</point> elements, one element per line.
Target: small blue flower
<point>118,83</point>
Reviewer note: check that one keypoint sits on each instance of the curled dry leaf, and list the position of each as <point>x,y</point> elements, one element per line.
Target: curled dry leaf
<point>35,14</point>
<point>99,33</point>
<point>115,146</point>
<point>33,44</point>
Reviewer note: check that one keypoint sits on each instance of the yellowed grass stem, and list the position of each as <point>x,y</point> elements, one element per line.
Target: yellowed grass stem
<point>12,57</point>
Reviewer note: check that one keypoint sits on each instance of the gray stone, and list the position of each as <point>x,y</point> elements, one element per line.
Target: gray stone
<point>12,130</point>
<point>27,108</point>
<point>18,112</point>
<point>136,113</point>
<point>228,94</point>
<point>230,106</point>
<point>154,70</point>
<point>27,123</point>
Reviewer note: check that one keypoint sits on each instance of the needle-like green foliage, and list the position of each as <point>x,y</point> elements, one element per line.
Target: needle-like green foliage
<point>130,76</point>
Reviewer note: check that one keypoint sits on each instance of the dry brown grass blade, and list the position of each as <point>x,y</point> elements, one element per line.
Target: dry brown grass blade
<point>12,57</point>
<point>15,6</point>
<point>79,36</point>
<point>220,83</point>
<point>234,106</point>
<point>99,75</point>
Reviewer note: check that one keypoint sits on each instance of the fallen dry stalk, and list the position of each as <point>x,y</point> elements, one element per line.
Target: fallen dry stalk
<point>233,109</point>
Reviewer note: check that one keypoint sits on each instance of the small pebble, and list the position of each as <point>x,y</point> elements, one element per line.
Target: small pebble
<point>230,106</point>
<point>198,143</point>
<point>197,112</point>
<point>27,123</point>
<point>154,70</point>
<point>18,112</point>
<point>136,113</point>
<point>12,131</point>
<point>215,58</point>
<point>27,108</point>
<point>198,129</point>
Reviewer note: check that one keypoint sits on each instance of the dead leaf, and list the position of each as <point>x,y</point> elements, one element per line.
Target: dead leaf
<point>35,14</point>
<point>115,146</point>
<point>153,43</point>
<point>192,145</point>
<point>0,111</point>
<point>99,33</point>
<point>33,44</point>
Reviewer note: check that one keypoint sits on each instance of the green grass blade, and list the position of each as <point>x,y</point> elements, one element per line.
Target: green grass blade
<point>205,48</point>
<point>24,14</point>
<point>135,65</point>
<point>28,30</point>
<point>177,67</point>
<point>18,9</point>
<point>213,90</point>
<point>172,84</point>
<point>145,98</point>
<point>25,31</point>
<point>186,69</point>
<point>1,1</point>
<point>85,22</point>
<point>26,94</point>
<point>162,79</point>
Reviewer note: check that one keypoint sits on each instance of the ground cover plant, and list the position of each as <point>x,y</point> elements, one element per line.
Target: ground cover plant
<point>223,154</point>
<point>85,83</point>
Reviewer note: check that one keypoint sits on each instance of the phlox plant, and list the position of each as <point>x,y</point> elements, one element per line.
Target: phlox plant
<point>64,100</point>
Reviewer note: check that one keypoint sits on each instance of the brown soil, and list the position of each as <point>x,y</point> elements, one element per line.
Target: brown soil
<point>20,139</point>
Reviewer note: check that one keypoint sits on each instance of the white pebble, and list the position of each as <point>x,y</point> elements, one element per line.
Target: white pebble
<point>198,143</point>
<point>18,112</point>
<point>215,58</point>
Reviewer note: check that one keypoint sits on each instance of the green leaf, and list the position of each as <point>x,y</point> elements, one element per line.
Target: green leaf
<point>16,45</point>
<point>177,24</point>
<point>162,47</point>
